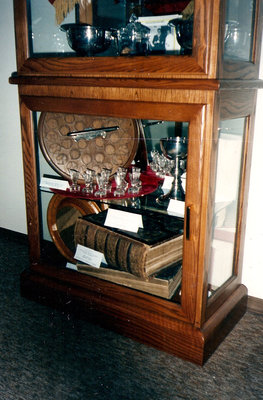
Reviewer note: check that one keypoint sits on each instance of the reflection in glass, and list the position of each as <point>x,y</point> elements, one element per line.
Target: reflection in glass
<point>45,35</point>
<point>228,175</point>
<point>66,219</point>
<point>238,40</point>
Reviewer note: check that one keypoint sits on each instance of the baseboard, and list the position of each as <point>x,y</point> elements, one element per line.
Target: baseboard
<point>255,304</point>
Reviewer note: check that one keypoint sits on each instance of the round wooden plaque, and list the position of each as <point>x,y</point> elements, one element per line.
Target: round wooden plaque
<point>63,153</point>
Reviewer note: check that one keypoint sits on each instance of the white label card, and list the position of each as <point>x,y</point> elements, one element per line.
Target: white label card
<point>176,207</point>
<point>71,266</point>
<point>88,256</point>
<point>54,183</point>
<point>123,220</point>
<point>167,183</point>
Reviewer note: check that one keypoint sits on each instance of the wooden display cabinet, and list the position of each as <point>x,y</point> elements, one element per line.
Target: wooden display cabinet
<point>214,93</point>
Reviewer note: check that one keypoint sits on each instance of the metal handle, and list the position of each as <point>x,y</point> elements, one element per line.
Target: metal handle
<point>152,123</point>
<point>91,133</point>
<point>187,223</point>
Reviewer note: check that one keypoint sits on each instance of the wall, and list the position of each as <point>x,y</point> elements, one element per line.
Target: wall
<point>253,255</point>
<point>12,202</point>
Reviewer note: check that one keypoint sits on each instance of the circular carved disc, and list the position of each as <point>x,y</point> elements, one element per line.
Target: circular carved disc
<point>63,153</point>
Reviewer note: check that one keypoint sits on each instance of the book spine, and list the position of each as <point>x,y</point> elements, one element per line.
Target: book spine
<point>163,287</point>
<point>120,252</point>
<point>161,255</point>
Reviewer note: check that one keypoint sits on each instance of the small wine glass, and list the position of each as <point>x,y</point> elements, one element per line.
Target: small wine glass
<point>106,173</point>
<point>74,176</point>
<point>154,163</point>
<point>101,181</point>
<point>135,180</point>
<point>121,184</point>
<point>88,178</point>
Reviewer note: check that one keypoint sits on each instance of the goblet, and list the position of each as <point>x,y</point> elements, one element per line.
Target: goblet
<point>175,148</point>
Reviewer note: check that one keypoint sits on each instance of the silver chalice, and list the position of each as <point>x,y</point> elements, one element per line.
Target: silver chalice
<point>175,148</point>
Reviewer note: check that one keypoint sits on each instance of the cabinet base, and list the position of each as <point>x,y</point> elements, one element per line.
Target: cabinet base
<point>132,313</point>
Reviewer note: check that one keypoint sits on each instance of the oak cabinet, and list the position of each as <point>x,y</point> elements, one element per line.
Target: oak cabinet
<point>211,93</point>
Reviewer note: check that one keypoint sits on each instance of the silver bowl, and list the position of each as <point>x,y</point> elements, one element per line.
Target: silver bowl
<point>184,33</point>
<point>174,146</point>
<point>86,39</point>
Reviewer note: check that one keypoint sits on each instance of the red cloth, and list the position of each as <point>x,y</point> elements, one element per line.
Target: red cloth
<point>149,181</point>
<point>164,7</point>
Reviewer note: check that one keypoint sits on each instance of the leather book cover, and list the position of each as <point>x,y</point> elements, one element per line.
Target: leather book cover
<point>158,244</point>
<point>157,226</point>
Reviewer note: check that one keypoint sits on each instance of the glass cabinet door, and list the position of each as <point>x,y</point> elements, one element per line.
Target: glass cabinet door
<point>227,195</point>
<point>158,192</point>
<point>110,28</point>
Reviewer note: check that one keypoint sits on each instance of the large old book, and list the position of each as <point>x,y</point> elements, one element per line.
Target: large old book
<point>164,284</point>
<point>158,244</point>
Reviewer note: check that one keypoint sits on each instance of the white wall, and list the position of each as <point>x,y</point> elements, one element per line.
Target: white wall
<point>253,254</point>
<point>12,204</point>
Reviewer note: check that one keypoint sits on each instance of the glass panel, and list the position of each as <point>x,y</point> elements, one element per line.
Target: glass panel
<point>157,195</point>
<point>110,27</point>
<point>239,29</point>
<point>229,166</point>
<point>45,35</point>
